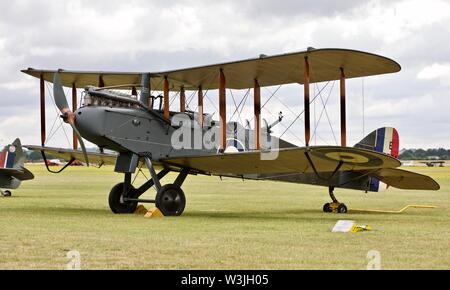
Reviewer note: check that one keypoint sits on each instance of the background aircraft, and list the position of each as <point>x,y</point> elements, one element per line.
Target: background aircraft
<point>434,163</point>
<point>12,170</point>
<point>142,132</point>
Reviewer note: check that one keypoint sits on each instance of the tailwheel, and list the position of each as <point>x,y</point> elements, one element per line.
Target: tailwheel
<point>327,207</point>
<point>170,200</point>
<point>342,208</point>
<point>6,193</point>
<point>117,203</point>
<point>335,206</point>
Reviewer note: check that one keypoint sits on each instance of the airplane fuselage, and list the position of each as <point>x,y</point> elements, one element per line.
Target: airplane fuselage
<point>9,182</point>
<point>145,132</point>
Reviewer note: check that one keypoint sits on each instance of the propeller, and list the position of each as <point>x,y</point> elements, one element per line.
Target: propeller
<point>67,115</point>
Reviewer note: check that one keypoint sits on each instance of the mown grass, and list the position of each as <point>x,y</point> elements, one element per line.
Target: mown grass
<point>229,224</point>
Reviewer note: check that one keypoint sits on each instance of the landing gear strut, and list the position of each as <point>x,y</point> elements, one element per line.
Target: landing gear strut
<point>334,206</point>
<point>170,198</point>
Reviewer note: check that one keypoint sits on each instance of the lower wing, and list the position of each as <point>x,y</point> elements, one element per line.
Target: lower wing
<point>291,160</point>
<point>67,154</point>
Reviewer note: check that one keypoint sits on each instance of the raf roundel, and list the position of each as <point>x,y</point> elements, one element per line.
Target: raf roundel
<point>12,149</point>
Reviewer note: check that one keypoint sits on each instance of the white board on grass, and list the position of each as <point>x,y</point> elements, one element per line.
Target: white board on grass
<point>343,226</point>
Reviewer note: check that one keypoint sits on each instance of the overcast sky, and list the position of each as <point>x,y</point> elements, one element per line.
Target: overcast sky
<point>147,35</point>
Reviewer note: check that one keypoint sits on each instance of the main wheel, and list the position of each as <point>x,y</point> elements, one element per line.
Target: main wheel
<point>170,200</point>
<point>327,208</point>
<point>7,193</point>
<point>342,208</point>
<point>116,202</point>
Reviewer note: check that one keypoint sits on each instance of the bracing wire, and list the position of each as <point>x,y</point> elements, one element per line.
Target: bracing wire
<point>298,117</point>
<point>324,110</point>
<point>240,105</point>
<point>236,106</point>
<point>58,114</point>
<point>284,126</point>
<point>245,101</point>
<point>190,99</point>
<point>174,98</point>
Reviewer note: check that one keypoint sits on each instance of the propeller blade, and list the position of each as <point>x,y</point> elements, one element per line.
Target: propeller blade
<point>80,140</point>
<point>68,115</point>
<point>59,95</point>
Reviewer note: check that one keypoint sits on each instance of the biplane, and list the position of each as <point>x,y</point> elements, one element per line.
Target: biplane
<point>12,170</point>
<point>120,114</point>
<point>437,163</point>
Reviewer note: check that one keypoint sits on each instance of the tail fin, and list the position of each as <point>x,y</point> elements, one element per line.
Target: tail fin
<point>384,140</point>
<point>12,156</point>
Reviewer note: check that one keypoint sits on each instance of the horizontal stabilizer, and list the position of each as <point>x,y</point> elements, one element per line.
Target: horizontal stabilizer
<point>21,174</point>
<point>405,179</point>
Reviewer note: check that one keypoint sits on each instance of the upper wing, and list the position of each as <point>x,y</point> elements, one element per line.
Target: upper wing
<point>68,154</point>
<point>292,160</point>
<point>281,69</point>
<point>405,179</point>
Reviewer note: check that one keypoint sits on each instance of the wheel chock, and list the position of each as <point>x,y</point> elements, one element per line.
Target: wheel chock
<point>141,210</point>
<point>154,213</point>
<point>361,228</point>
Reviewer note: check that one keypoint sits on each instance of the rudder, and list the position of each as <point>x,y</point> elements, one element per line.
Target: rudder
<point>12,156</point>
<point>384,140</point>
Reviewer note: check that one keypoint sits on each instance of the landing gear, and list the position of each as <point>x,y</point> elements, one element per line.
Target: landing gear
<point>117,202</point>
<point>6,193</point>
<point>335,206</point>
<point>170,198</point>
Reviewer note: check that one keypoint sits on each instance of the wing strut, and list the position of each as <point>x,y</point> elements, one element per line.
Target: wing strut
<point>343,111</point>
<point>223,110</point>
<point>307,112</point>
<point>74,108</point>
<point>42,91</point>
<point>317,173</point>
<point>200,106</point>
<point>166,99</point>
<point>257,112</point>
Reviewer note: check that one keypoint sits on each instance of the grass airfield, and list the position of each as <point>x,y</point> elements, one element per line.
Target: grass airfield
<point>229,224</point>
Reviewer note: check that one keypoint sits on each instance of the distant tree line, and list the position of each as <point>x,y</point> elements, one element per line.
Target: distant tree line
<point>421,154</point>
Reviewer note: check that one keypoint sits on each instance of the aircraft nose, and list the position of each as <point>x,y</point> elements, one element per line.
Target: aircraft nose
<point>89,121</point>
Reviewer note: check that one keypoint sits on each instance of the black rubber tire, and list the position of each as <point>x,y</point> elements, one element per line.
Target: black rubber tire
<point>7,193</point>
<point>115,200</point>
<point>342,208</point>
<point>170,200</point>
<point>327,208</point>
